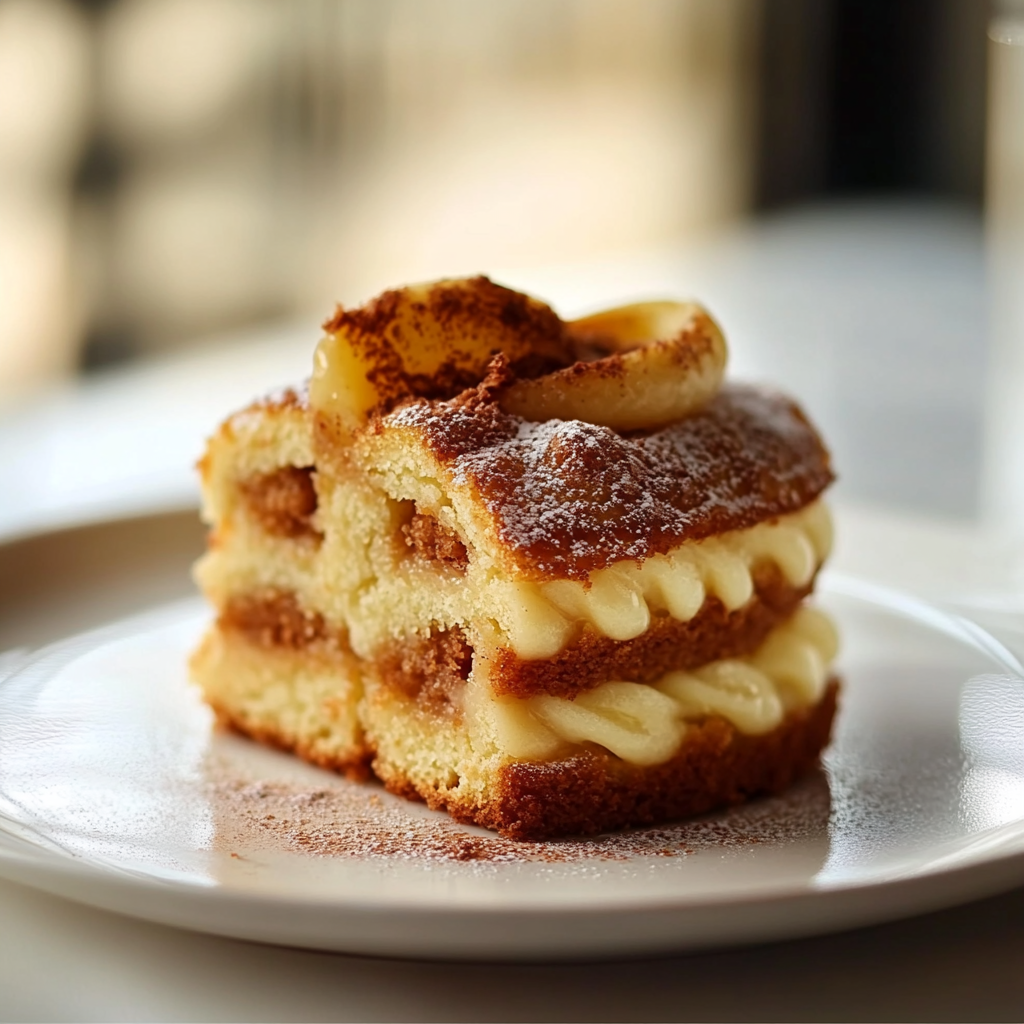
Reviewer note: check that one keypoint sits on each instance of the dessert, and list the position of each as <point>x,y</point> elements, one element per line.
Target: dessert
<point>549,576</point>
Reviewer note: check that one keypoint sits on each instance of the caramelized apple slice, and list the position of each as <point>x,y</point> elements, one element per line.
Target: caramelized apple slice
<point>429,341</point>
<point>651,363</point>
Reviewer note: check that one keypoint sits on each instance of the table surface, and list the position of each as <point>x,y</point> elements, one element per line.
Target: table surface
<point>909,441</point>
<point>65,962</point>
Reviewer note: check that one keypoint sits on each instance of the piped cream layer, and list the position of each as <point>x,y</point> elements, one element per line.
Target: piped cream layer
<point>620,600</point>
<point>646,724</point>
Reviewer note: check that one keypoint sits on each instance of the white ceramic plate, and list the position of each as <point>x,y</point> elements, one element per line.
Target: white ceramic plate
<point>115,791</point>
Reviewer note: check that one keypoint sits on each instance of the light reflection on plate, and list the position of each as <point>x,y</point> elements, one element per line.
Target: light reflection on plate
<point>116,790</point>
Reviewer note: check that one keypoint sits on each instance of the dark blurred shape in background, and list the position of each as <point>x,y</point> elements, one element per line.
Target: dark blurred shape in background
<point>174,168</point>
<point>869,96</point>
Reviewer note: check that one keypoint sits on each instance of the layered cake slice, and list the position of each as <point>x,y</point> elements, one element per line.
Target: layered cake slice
<point>550,576</point>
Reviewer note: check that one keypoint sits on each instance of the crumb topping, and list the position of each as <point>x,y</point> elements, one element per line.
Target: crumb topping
<point>435,542</point>
<point>275,618</point>
<point>283,502</point>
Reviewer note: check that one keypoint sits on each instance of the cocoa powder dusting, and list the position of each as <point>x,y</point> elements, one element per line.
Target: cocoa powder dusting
<point>449,310</point>
<point>350,820</point>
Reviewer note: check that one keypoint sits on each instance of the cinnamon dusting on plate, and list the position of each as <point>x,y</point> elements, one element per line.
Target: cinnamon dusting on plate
<point>361,821</point>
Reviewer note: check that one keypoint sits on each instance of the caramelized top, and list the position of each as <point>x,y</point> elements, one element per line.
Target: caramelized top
<point>282,502</point>
<point>569,497</point>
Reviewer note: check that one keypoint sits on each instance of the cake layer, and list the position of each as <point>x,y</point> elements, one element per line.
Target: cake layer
<point>303,700</point>
<point>281,680</point>
<point>428,667</point>
<point>555,500</point>
<point>626,735</point>
<point>386,551</point>
<point>624,600</point>
<point>391,576</point>
<point>594,791</point>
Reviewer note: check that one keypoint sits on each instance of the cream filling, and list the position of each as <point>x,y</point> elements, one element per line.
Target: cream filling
<point>645,724</point>
<point>618,603</point>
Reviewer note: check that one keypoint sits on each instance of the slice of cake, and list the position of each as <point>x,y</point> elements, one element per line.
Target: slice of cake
<point>551,577</point>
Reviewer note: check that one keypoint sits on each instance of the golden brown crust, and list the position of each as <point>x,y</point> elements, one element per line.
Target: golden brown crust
<point>668,645</point>
<point>355,767</point>
<point>282,502</point>
<point>595,791</point>
<point>567,498</point>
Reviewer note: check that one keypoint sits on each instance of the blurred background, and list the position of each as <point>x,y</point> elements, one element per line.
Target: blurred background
<point>190,177</point>
<point>172,168</point>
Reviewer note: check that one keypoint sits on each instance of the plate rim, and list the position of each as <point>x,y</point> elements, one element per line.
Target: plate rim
<point>664,926</point>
